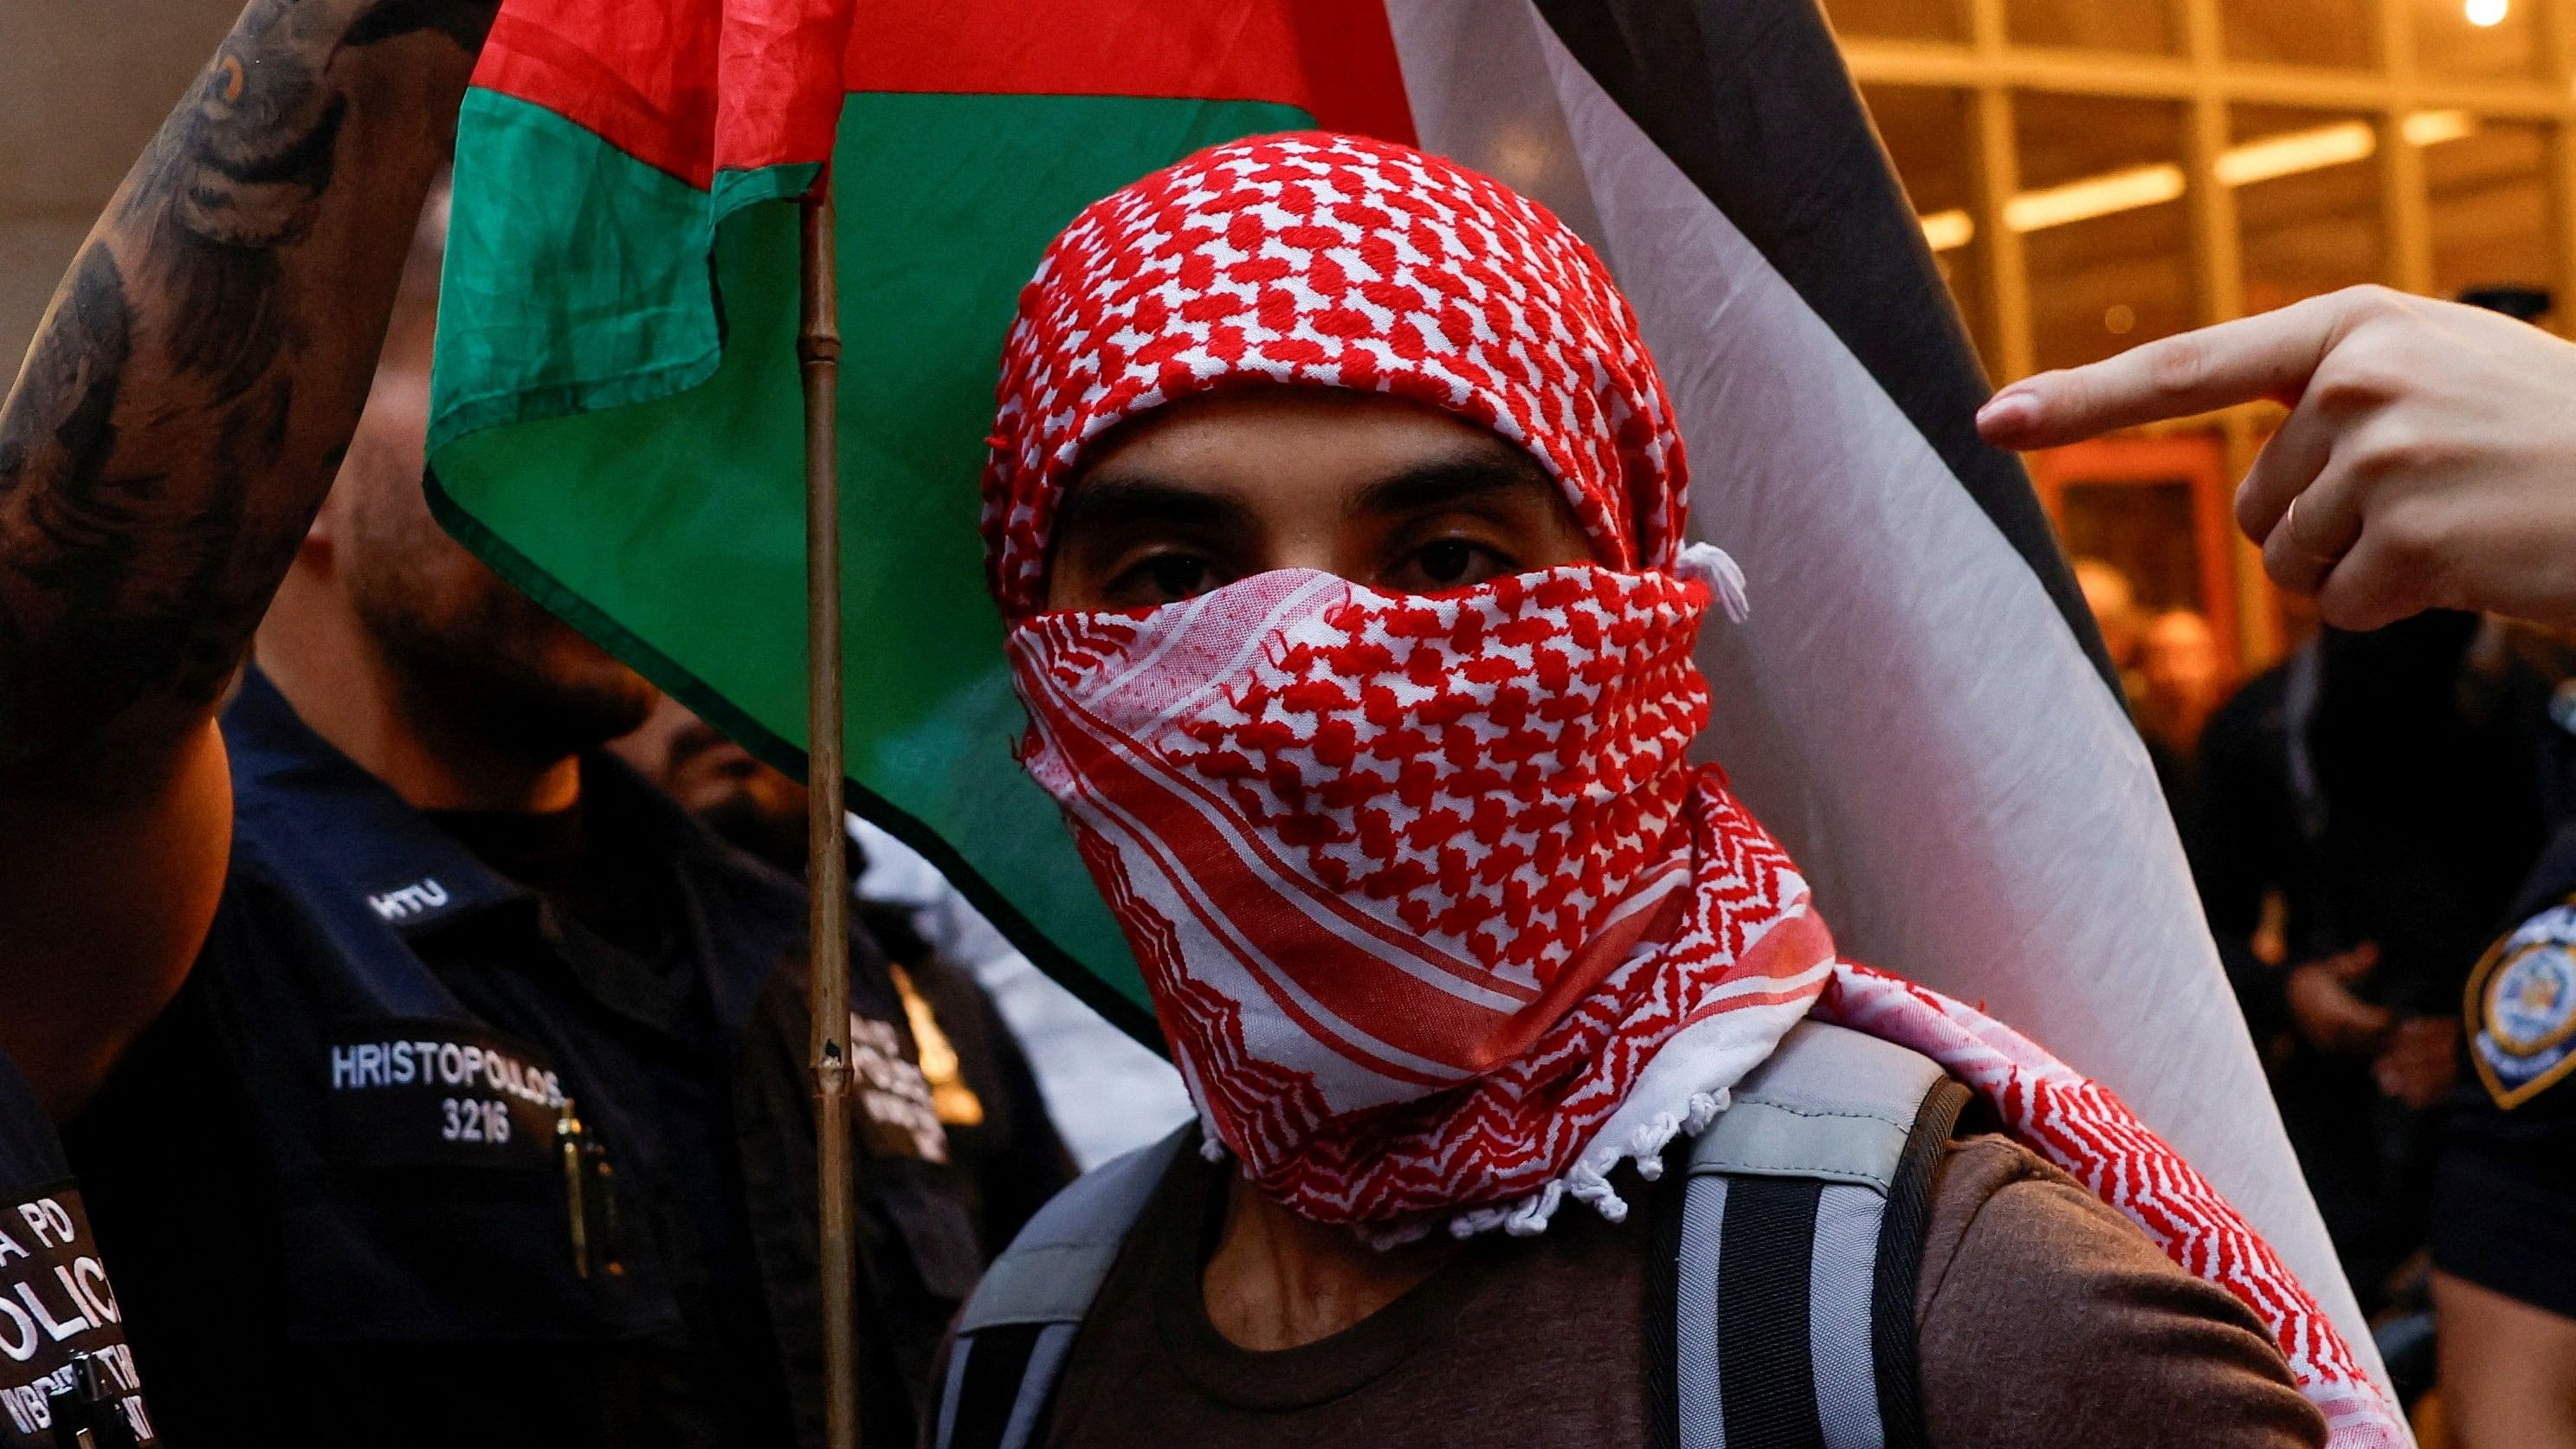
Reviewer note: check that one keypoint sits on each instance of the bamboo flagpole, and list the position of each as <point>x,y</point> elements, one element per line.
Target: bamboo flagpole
<point>818,356</point>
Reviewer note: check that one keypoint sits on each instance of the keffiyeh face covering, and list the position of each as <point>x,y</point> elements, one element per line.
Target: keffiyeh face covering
<point>1417,879</point>
<point>1438,920</point>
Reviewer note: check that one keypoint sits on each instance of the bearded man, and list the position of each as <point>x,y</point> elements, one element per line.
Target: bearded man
<point>1337,511</point>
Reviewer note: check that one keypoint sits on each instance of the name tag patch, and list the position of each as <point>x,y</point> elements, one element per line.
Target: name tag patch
<point>60,1329</point>
<point>408,1093</point>
<point>2522,1008</point>
<point>897,1115</point>
<point>411,904</point>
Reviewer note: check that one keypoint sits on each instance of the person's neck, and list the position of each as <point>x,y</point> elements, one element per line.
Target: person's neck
<point>434,758</point>
<point>1278,1280</point>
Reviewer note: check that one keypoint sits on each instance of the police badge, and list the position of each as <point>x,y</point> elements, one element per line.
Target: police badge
<point>2521,1007</point>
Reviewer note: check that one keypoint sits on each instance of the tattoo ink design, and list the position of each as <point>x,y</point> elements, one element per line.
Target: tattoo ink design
<point>155,470</point>
<point>246,175</point>
<point>57,433</point>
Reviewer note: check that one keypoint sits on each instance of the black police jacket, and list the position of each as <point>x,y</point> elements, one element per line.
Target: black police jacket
<point>415,1160</point>
<point>62,1343</point>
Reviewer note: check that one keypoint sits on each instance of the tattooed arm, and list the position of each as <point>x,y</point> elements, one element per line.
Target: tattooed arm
<point>172,431</point>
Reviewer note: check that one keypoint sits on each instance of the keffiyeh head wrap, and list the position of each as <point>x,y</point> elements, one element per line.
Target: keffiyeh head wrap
<point>1440,923</point>
<point>1331,261</point>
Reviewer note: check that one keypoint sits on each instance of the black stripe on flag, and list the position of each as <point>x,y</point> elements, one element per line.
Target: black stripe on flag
<point>1750,99</point>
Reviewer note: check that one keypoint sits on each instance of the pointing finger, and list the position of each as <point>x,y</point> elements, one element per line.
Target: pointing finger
<point>2270,354</point>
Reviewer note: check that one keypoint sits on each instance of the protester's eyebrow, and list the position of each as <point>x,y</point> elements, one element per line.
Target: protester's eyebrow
<point>1453,480</point>
<point>1111,500</point>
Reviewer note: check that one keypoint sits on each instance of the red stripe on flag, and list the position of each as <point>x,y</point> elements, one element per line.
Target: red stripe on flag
<point>685,86</point>
<point>693,87</point>
<point>1332,59</point>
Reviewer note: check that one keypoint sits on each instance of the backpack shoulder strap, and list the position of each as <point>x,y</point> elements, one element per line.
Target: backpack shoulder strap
<point>1797,1247</point>
<point>1013,1334</point>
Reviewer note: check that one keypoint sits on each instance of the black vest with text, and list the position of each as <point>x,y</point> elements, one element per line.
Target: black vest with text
<point>65,1368</point>
<point>350,1208</point>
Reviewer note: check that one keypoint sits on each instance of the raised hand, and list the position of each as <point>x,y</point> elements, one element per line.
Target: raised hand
<point>176,424</point>
<point>184,405</point>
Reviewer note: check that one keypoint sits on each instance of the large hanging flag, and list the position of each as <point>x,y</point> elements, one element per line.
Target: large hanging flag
<point>1918,707</point>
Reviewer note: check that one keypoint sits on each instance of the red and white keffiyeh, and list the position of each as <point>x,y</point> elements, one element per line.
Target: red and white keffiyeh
<point>1424,886</point>
<point>1438,919</point>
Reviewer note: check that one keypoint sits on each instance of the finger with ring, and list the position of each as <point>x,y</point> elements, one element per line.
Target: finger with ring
<point>2291,555</point>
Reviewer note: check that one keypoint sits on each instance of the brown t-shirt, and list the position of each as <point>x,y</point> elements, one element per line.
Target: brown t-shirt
<point>2046,1319</point>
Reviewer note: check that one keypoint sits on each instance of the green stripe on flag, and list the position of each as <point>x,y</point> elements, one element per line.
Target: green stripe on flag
<point>623,310</point>
<point>617,428</point>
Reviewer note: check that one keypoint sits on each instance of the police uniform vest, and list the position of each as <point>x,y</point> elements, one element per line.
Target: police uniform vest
<point>65,1368</point>
<point>415,1159</point>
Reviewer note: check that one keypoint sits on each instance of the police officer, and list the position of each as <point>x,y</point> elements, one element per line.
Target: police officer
<point>2504,1207</point>
<point>2394,822</point>
<point>433,1079</point>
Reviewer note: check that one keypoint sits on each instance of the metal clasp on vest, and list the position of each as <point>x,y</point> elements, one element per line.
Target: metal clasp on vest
<point>590,1196</point>
<point>85,1411</point>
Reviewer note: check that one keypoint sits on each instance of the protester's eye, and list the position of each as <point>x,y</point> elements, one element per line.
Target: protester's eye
<point>1451,563</point>
<point>1161,578</point>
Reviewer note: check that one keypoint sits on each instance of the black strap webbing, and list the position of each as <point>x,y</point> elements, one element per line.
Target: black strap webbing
<point>1766,1371</point>
<point>997,1360</point>
<point>1663,1391</point>
<point>1894,1351</point>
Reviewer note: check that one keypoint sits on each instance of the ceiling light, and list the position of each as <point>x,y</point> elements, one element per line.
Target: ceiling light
<point>2432,128</point>
<point>1949,230</point>
<point>2483,13</point>
<point>2296,151</point>
<point>2094,196</point>
<point>2265,158</point>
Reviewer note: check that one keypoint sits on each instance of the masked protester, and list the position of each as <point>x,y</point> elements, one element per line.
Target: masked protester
<point>1337,509</point>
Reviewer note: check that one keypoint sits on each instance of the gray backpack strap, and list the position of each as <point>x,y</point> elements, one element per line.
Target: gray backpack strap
<point>1014,1332</point>
<point>1799,1241</point>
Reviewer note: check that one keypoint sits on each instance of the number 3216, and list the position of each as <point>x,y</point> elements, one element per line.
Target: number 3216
<point>469,1119</point>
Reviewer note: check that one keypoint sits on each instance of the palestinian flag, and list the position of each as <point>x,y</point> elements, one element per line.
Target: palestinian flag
<point>1919,707</point>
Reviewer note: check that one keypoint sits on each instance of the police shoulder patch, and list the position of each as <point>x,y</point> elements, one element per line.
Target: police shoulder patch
<point>2521,1007</point>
